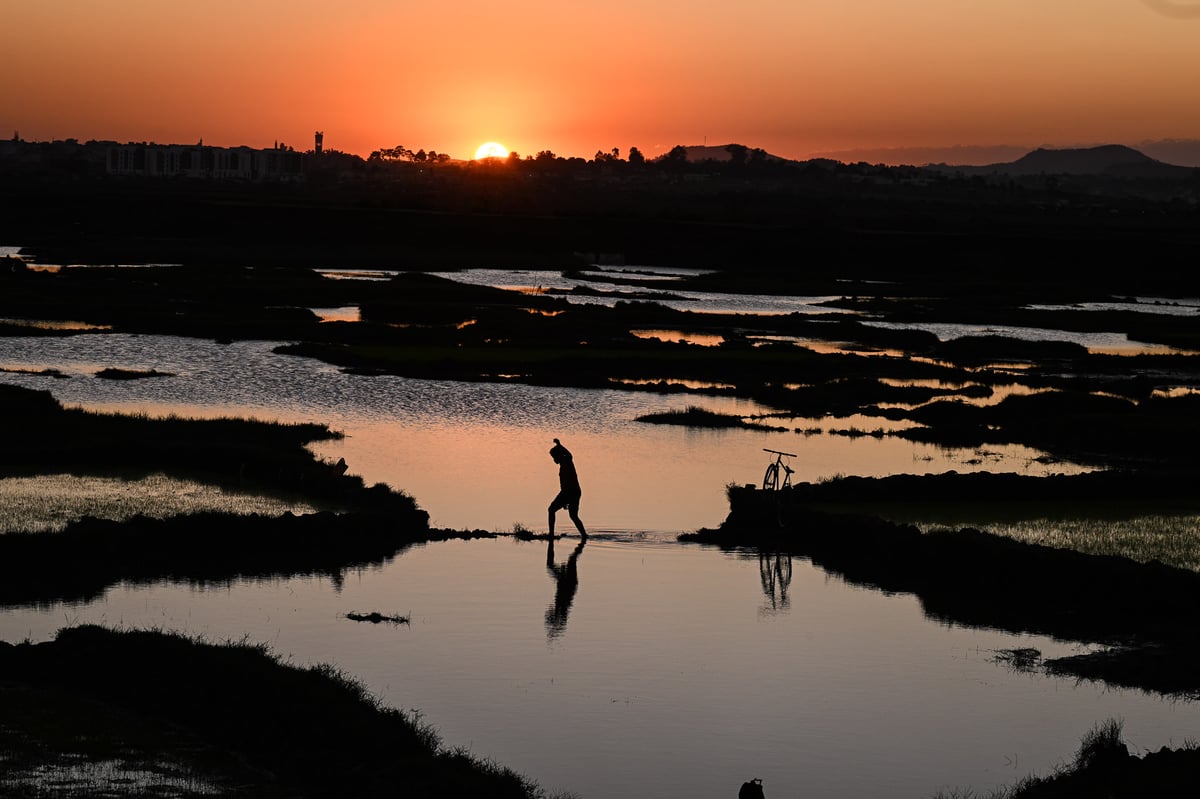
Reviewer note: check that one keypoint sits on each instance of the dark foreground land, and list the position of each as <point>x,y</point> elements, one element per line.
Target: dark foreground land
<point>877,246</point>
<point>194,718</point>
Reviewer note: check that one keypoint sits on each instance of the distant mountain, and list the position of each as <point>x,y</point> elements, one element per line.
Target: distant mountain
<point>1109,160</point>
<point>1178,152</point>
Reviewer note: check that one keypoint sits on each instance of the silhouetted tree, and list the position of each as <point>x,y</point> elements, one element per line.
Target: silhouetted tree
<point>677,157</point>
<point>635,156</point>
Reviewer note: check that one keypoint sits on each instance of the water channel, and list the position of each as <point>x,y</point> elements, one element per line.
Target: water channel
<point>670,670</point>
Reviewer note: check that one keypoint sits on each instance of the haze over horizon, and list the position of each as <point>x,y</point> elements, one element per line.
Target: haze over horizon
<point>923,82</point>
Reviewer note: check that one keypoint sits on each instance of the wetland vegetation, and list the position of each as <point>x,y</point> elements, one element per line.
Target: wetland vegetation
<point>262,728</point>
<point>977,256</point>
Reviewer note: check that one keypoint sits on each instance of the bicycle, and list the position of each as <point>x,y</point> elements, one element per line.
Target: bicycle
<point>771,481</point>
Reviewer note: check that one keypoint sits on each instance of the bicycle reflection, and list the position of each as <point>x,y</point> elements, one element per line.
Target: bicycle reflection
<point>775,571</point>
<point>566,582</point>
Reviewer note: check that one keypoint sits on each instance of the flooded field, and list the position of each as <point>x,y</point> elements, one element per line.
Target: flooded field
<point>632,664</point>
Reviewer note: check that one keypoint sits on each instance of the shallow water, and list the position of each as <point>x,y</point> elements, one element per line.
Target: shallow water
<point>673,671</point>
<point>1100,343</point>
<point>676,670</point>
<point>475,454</point>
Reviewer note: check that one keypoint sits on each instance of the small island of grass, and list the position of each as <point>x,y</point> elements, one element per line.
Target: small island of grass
<point>113,373</point>
<point>695,416</point>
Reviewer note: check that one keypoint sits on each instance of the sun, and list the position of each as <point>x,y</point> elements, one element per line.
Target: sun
<point>491,149</point>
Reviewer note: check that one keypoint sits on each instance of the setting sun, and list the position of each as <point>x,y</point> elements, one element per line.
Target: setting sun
<point>491,149</point>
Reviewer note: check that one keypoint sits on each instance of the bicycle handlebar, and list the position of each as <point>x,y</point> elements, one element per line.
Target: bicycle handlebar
<point>777,452</point>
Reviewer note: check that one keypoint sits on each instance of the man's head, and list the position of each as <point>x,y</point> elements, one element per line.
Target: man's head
<point>559,453</point>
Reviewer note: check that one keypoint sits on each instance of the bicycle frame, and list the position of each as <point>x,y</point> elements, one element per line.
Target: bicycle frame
<point>771,481</point>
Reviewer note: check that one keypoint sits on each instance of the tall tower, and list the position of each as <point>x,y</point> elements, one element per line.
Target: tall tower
<point>320,137</point>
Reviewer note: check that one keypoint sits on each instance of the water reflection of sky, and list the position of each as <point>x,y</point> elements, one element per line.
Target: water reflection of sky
<point>475,454</point>
<point>1152,305</point>
<point>699,302</point>
<point>678,663</point>
<point>1096,343</point>
<point>770,305</point>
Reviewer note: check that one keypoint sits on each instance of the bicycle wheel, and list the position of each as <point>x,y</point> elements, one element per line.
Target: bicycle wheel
<point>771,478</point>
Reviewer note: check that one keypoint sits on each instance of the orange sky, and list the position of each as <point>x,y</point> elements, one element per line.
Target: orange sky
<point>795,77</point>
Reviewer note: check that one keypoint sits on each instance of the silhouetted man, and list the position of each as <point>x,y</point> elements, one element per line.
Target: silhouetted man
<point>568,485</point>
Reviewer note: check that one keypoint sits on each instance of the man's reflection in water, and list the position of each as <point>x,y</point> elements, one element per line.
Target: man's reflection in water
<point>566,581</point>
<point>775,569</point>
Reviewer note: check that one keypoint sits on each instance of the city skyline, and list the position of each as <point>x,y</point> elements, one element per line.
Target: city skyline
<point>798,80</point>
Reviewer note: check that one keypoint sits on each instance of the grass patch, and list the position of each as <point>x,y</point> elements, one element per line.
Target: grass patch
<point>242,455</point>
<point>112,373</point>
<point>1104,767</point>
<point>695,416</point>
<point>375,617</point>
<point>230,714</point>
<point>48,503</point>
<point>1173,540</point>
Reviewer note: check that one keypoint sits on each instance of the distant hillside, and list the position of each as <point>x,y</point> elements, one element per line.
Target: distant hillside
<point>1110,160</point>
<point>1178,152</point>
<point>697,153</point>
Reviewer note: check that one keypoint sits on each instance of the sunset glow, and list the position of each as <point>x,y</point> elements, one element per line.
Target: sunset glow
<point>796,79</point>
<point>490,149</point>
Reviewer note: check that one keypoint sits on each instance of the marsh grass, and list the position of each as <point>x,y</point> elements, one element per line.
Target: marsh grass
<point>239,455</point>
<point>112,373</point>
<point>695,416</point>
<point>1102,767</point>
<point>1022,659</point>
<point>48,503</point>
<point>56,373</point>
<point>55,743</point>
<point>163,714</point>
<point>1170,539</point>
<point>1095,513</point>
<point>1101,743</point>
<point>375,617</point>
